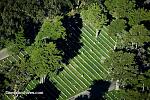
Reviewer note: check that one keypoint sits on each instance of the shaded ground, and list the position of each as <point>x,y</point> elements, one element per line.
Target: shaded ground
<point>96,91</point>
<point>71,45</point>
<point>31,29</point>
<point>50,92</point>
<point>81,96</point>
<point>143,4</point>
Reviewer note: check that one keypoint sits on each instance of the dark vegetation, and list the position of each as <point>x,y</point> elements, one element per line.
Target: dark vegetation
<point>31,29</point>
<point>97,91</point>
<point>146,24</point>
<point>71,44</point>
<point>46,31</point>
<point>130,63</point>
<point>22,25</point>
<point>143,4</point>
<point>50,92</point>
<point>27,15</point>
<point>3,84</point>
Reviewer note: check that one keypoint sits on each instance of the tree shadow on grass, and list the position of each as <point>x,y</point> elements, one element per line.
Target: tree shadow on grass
<point>143,4</point>
<point>50,92</point>
<point>71,44</point>
<point>142,58</point>
<point>146,24</point>
<point>31,29</point>
<point>2,85</point>
<point>97,91</point>
<point>82,97</point>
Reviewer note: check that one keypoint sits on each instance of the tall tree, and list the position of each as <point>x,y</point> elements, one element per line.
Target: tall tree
<point>119,8</point>
<point>16,14</point>
<point>117,28</point>
<point>17,74</point>
<point>122,66</point>
<point>133,76</point>
<point>15,46</point>
<point>51,29</point>
<point>137,35</point>
<point>94,16</point>
<point>45,57</point>
<point>137,15</point>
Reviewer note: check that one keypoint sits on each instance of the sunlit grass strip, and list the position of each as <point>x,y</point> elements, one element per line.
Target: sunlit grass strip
<point>113,95</point>
<point>101,35</point>
<point>85,67</point>
<point>8,97</point>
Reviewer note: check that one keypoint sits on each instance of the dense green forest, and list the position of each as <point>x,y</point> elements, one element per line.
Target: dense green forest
<point>39,28</point>
<point>129,62</point>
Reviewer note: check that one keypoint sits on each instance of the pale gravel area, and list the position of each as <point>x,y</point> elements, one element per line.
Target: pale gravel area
<point>86,92</point>
<point>82,93</point>
<point>3,53</point>
<point>147,1</point>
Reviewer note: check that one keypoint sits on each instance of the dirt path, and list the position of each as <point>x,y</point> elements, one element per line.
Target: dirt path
<point>86,92</point>
<point>82,93</point>
<point>3,53</point>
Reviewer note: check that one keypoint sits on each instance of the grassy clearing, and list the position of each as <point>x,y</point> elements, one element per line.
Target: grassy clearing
<point>86,66</point>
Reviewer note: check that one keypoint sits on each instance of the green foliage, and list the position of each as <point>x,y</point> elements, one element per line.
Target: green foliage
<point>45,59</point>
<point>117,26</point>
<point>133,95</point>
<point>139,30</point>
<point>137,15</point>
<point>132,70</point>
<point>122,66</point>
<point>126,9</point>
<point>58,6</point>
<point>19,43</point>
<point>17,73</point>
<point>4,84</point>
<point>119,8</point>
<point>94,15</point>
<point>51,29</point>
<point>146,79</point>
<point>16,14</point>
<point>138,35</point>
<point>133,82</point>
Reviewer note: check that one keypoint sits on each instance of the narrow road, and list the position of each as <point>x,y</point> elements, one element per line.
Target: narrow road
<point>3,53</point>
<point>86,92</point>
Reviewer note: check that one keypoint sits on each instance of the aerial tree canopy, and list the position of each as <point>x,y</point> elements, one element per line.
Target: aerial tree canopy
<point>28,14</point>
<point>117,27</point>
<point>122,66</point>
<point>15,46</point>
<point>51,29</point>
<point>16,73</point>
<point>94,16</point>
<point>45,57</point>
<point>138,35</point>
<point>137,15</point>
<point>119,8</point>
<point>133,76</point>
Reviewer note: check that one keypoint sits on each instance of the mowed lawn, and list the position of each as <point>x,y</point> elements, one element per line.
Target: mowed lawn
<point>88,65</point>
<point>84,68</point>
